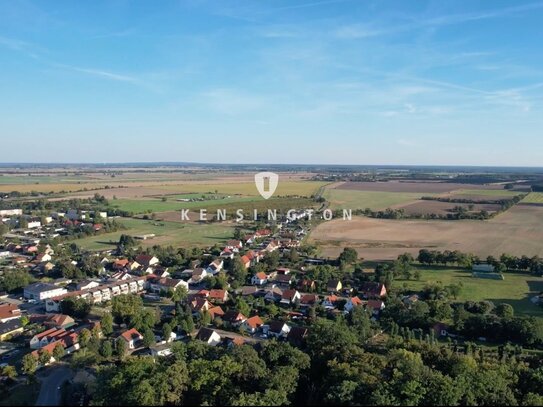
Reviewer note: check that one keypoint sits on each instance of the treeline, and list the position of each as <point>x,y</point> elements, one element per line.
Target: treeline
<point>459,213</point>
<point>504,203</point>
<point>505,262</point>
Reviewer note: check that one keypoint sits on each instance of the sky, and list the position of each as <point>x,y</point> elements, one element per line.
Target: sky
<point>277,81</point>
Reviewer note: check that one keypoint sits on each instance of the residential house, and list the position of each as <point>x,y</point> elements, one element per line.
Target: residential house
<point>253,324</point>
<point>330,301</point>
<point>44,338</point>
<point>278,329</point>
<point>334,286</point>
<point>352,303</point>
<point>215,266</point>
<point>234,318</point>
<point>42,258</point>
<point>9,312</point>
<point>308,300</point>
<point>283,279</point>
<point>234,245</point>
<point>120,264</point>
<point>132,338</point>
<point>248,290</point>
<point>146,260</point>
<point>87,285</point>
<point>199,304</point>
<point>372,289</point>
<point>375,306</point>
<point>218,295</point>
<point>58,321</point>
<point>273,294</point>
<point>197,276</point>
<point>441,329</point>
<point>290,297</point>
<point>215,312</point>
<point>209,336</point>
<point>283,270</point>
<point>166,284</point>
<point>161,350</point>
<point>306,285</point>
<point>259,278</point>
<point>246,261</point>
<point>10,329</point>
<point>227,254</point>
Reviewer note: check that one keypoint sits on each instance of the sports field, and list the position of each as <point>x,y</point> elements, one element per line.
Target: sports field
<point>516,288</point>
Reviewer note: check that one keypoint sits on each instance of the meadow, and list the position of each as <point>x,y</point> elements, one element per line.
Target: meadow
<point>516,289</point>
<point>167,233</point>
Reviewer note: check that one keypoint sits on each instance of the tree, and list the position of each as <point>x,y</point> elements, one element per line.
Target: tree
<point>125,307</point>
<point>238,271</point>
<point>44,357</point>
<point>121,348</point>
<point>505,311</point>
<point>148,337</point>
<point>166,331</point>
<point>75,307</point>
<point>29,364</point>
<point>58,352</point>
<point>84,337</point>
<point>9,372</point>
<point>106,350</point>
<point>348,256</point>
<point>107,324</point>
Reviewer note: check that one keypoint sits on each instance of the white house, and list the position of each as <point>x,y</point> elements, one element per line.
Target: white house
<point>259,278</point>
<point>208,336</point>
<point>131,337</point>
<point>42,291</point>
<point>279,329</point>
<point>215,266</point>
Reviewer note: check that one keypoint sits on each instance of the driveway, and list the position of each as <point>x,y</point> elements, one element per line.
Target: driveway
<point>50,385</point>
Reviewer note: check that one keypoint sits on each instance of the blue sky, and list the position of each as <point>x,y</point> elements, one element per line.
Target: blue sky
<point>309,81</point>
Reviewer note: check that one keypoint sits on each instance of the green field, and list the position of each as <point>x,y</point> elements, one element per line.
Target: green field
<point>157,205</point>
<point>167,233</point>
<point>516,289</point>
<point>375,200</point>
<point>533,198</point>
<point>293,188</point>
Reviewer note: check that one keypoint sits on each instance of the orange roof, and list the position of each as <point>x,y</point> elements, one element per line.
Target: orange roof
<point>215,312</point>
<point>131,335</point>
<point>254,322</point>
<point>9,311</point>
<point>218,294</point>
<point>245,259</point>
<point>261,275</point>
<point>356,301</point>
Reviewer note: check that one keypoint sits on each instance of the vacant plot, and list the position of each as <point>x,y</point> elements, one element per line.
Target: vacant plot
<point>516,288</point>
<point>533,198</point>
<point>424,207</point>
<point>417,187</point>
<point>167,233</point>
<point>375,200</point>
<point>482,194</point>
<point>518,231</point>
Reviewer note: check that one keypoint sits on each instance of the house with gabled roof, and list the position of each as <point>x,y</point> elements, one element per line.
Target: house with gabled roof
<point>371,289</point>
<point>8,312</point>
<point>146,260</point>
<point>218,295</point>
<point>132,338</point>
<point>290,297</point>
<point>334,286</point>
<point>278,329</point>
<point>253,324</point>
<point>260,278</point>
<point>308,300</point>
<point>352,303</point>
<point>234,318</point>
<point>209,336</point>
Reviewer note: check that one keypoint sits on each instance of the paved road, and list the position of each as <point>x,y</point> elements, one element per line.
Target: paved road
<point>50,392</point>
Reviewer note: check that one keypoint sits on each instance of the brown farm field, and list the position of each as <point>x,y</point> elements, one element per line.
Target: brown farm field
<point>518,231</point>
<point>413,187</point>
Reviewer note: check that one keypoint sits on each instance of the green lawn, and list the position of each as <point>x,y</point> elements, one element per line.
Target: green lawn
<point>375,200</point>
<point>516,289</point>
<point>167,233</point>
<point>534,198</point>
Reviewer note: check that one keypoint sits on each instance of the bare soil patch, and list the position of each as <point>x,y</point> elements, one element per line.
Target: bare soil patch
<point>423,207</point>
<point>422,187</point>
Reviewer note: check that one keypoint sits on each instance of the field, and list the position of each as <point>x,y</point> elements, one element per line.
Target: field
<point>533,198</point>
<point>375,200</point>
<point>416,187</point>
<point>167,233</point>
<point>516,289</point>
<point>518,231</point>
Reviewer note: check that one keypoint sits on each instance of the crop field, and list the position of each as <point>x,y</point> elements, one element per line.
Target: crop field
<point>416,187</point>
<point>375,200</point>
<point>533,198</point>
<point>167,233</point>
<point>516,289</point>
<point>518,231</point>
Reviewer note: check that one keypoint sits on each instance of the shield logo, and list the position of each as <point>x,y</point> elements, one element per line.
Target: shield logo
<point>266,183</point>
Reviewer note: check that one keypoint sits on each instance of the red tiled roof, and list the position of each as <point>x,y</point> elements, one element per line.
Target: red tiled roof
<point>254,322</point>
<point>131,335</point>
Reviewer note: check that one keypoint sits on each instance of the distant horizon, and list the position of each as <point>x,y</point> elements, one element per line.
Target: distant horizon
<point>248,164</point>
